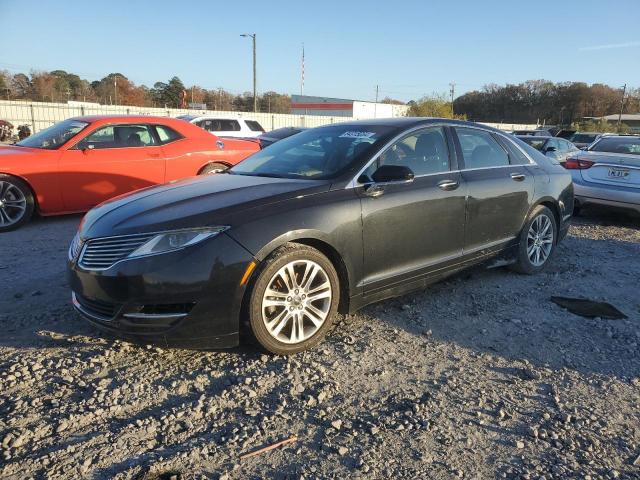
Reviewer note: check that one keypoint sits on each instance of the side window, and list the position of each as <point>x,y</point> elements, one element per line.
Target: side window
<point>119,136</point>
<point>424,152</point>
<point>254,126</point>
<point>553,143</point>
<point>166,134</point>
<point>480,149</point>
<point>516,155</point>
<point>229,126</point>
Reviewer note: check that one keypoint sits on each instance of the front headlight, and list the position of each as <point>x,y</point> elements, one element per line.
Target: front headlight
<point>175,240</point>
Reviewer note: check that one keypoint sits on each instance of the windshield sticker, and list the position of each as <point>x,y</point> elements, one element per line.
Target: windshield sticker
<point>357,134</point>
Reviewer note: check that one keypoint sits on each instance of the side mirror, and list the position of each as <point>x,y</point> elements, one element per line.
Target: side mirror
<point>550,149</point>
<point>85,147</point>
<point>393,173</point>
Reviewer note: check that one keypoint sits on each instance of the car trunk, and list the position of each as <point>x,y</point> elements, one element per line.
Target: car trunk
<point>613,169</point>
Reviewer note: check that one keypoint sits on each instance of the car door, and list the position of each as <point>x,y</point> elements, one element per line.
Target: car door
<point>109,161</point>
<point>499,190</point>
<point>410,228</point>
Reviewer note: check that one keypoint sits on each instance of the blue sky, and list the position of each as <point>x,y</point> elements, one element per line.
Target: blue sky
<point>408,48</point>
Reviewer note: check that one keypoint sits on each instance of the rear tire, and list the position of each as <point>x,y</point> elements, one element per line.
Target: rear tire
<point>537,241</point>
<point>16,203</point>
<point>294,300</point>
<point>212,168</point>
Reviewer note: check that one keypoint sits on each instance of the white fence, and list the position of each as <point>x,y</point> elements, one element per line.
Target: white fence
<point>40,115</point>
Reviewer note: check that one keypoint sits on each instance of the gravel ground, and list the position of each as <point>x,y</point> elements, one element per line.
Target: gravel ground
<point>480,376</point>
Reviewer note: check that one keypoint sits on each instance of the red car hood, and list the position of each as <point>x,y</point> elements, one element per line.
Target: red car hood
<point>6,150</point>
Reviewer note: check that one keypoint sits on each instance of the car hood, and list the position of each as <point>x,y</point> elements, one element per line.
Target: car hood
<point>196,202</point>
<point>14,151</point>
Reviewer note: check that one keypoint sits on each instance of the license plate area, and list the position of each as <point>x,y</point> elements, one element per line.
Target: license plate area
<point>619,173</point>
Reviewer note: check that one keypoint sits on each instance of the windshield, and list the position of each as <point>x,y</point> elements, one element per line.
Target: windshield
<point>319,153</point>
<point>54,136</point>
<point>536,143</point>
<point>583,137</point>
<point>625,145</point>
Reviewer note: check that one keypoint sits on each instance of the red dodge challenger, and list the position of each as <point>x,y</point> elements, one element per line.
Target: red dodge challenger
<point>81,162</point>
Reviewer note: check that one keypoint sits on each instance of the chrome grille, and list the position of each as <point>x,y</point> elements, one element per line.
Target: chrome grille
<point>102,253</point>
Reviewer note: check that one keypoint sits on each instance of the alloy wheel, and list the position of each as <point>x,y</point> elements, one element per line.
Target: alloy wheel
<point>540,240</point>
<point>297,301</point>
<point>13,204</point>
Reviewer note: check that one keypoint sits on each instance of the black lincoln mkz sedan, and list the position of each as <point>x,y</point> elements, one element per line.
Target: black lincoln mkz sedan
<point>326,221</point>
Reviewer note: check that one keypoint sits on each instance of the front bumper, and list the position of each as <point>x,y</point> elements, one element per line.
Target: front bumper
<point>189,298</point>
<point>610,195</point>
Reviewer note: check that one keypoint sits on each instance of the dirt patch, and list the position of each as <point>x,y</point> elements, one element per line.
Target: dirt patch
<point>480,376</point>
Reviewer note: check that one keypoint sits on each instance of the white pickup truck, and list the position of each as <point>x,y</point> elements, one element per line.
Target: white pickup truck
<point>226,127</point>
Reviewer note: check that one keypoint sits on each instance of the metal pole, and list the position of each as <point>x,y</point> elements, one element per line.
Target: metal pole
<point>624,90</point>
<point>453,89</point>
<point>255,98</point>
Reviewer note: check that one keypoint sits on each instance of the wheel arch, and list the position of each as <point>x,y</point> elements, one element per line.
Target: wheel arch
<point>324,245</point>
<point>28,184</point>
<point>551,204</point>
<point>209,162</point>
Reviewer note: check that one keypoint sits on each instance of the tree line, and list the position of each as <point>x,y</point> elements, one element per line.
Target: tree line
<point>533,101</point>
<point>541,101</point>
<point>117,89</point>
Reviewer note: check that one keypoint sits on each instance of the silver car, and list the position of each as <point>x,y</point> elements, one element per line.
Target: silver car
<point>553,147</point>
<point>607,173</point>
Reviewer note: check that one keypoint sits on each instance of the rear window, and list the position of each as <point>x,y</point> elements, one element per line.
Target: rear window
<point>254,126</point>
<point>583,138</point>
<point>536,143</point>
<point>219,125</point>
<point>167,134</point>
<point>624,145</point>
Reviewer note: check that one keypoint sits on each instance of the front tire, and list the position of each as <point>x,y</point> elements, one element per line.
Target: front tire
<point>294,300</point>
<point>537,241</point>
<point>16,203</point>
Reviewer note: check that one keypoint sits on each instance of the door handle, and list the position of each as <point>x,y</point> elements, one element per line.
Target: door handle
<point>518,177</point>
<point>154,155</point>
<point>374,190</point>
<point>448,184</point>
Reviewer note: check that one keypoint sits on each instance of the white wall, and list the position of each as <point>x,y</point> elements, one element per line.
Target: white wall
<point>40,115</point>
<point>364,110</point>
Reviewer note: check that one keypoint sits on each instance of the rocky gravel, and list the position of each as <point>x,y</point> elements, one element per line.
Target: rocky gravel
<point>480,376</point>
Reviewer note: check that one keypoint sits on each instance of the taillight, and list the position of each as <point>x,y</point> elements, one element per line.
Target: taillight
<point>577,164</point>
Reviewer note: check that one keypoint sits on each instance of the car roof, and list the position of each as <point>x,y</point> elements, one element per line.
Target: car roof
<point>537,137</point>
<point>128,118</point>
<point>408,122</point>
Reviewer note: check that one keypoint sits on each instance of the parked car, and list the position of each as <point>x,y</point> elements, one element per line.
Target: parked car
<point>328,220</point>
<point>607,173</point>
<point>273,136</point>
<point>583,139</point>
<point>226,127</point>
<point>554,147</point>
<point>533,133</point>
<point>81,162</point>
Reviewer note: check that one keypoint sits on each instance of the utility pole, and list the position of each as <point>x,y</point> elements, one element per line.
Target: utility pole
<point>302,73</point>
<point>624,90</point>
<point>255,98</point>
<point>452,92</point>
